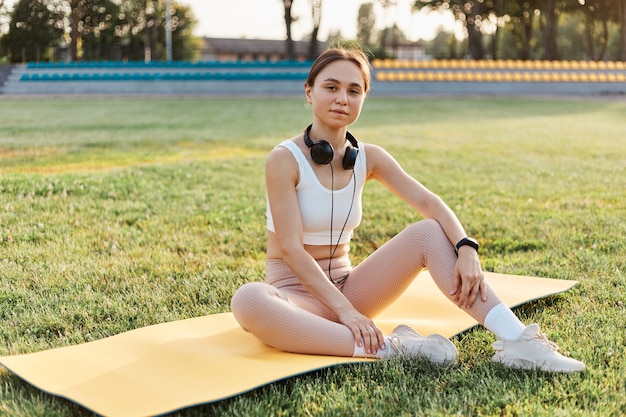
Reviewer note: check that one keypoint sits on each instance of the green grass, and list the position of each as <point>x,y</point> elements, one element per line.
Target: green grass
<point>122,213</point>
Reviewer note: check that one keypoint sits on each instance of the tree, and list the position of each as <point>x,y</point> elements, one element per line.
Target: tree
<point>3,13</point>
<point>621,7</point>
<point>132,23</point>
<point>571,39</point>
<point>473,13</point>
<point>94,22</point>
<point>36,25</point>
<point>74,18</point>
<point>289,19</point>
<point>385,4</point>
<point>521,18</point>
<point>365,24</point>
<point>183,22</point>
<point>550,30</point>
<point>597,13</point>
<point>141,30</point>
<point>316,14</point>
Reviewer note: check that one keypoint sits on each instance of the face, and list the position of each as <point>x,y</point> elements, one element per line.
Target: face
<point>337,95</point>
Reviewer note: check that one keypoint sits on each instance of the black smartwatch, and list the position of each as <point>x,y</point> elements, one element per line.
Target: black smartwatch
<point>466,241</point>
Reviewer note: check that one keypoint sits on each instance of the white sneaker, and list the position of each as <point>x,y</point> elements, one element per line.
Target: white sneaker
<point>407,342</point>
<point>534,351</point>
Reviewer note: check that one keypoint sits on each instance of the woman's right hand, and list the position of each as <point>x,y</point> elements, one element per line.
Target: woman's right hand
<point>366,333</point>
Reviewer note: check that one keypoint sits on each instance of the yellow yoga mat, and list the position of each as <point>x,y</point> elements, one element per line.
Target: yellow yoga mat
<point>166,367</point>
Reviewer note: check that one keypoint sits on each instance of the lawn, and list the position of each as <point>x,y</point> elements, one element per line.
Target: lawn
<point>121,213</point>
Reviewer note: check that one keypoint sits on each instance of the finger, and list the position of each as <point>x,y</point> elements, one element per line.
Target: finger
<point>367,341</point>
<point>456,287</point>
<point>358,337</point>
<point>380,337</point>
<point>465,291</point>
<point>376,339</point>
<point>483,291</point>
<point>473,295</point>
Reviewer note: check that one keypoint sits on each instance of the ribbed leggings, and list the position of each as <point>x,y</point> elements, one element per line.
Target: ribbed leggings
<point>281,313</point>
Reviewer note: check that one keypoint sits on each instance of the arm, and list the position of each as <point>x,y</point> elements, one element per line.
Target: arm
<point>468,272</point>
<point>281,178</point>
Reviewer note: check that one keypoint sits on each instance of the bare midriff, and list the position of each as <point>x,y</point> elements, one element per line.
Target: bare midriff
<point>316,251</point>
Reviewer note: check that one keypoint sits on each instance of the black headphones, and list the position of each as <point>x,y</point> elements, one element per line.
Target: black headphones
<point>322,151</point>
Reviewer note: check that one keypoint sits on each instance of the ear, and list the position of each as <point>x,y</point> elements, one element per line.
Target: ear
<point>307,92</point>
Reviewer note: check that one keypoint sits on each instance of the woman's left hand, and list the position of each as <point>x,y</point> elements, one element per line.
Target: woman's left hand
<point>469,279</point>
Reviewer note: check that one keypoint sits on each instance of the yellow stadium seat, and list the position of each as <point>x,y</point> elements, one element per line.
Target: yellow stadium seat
<point>381,76</point>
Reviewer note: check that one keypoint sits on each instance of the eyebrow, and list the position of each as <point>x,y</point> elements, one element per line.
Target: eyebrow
<point>334,80</point>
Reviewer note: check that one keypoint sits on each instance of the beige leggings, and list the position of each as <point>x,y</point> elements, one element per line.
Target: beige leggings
<point>281,313</point>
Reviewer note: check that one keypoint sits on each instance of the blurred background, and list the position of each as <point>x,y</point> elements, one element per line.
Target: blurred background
<point>196,30</point>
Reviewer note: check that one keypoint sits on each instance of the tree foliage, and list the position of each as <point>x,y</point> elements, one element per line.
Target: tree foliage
<point>365,24</point>
<point>529,29</point>
<point>36,25</point>
<point>98,30</point>
<point>135,29</point>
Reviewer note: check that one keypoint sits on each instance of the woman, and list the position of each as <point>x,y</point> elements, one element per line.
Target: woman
<point>313,300</point>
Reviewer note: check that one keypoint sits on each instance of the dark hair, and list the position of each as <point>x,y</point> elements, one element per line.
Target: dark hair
<point>352,54</point>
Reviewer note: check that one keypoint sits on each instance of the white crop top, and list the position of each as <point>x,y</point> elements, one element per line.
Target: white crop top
<point>315,200</point>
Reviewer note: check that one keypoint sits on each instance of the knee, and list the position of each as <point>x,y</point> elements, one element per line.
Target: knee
<point>245,297</point>
<point>430,228</point>
<point>247,301</point>
<point>431,233</point>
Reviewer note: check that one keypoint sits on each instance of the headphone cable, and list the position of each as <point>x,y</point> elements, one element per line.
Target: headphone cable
<point>332,205</point>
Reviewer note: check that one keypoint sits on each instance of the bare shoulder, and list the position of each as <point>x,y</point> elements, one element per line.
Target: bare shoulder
<point>377,155</point>
<point>280,162</point>
<point>279,154</point>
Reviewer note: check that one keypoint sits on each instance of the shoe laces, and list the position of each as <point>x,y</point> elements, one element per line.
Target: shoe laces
<point>542,340</point>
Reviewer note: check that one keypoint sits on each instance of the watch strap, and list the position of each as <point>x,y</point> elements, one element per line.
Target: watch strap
<point>466,241</point>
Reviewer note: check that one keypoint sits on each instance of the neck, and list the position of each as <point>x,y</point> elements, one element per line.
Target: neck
<point>336,137</point>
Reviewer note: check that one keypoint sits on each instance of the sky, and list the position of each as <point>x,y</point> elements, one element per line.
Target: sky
<point>263,19</point>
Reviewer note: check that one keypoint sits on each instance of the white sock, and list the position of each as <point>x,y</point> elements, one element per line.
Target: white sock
<point>503,323</point>
<point>359,351</point>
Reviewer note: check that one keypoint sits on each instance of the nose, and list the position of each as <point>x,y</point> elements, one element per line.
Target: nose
<point>342,97</point>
